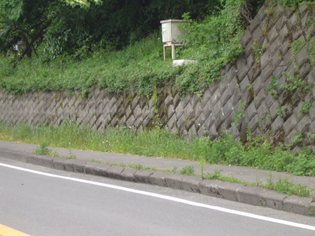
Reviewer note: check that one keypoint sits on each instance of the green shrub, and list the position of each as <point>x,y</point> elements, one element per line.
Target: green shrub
<point>187,170</point>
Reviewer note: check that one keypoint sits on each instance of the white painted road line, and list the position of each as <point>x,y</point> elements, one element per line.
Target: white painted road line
<point>174,199</point>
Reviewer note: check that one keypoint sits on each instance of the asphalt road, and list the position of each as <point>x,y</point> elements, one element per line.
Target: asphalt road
<point>50,202</point>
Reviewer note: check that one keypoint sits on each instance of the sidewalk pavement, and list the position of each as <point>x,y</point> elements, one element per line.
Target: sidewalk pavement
<point>165,172</point>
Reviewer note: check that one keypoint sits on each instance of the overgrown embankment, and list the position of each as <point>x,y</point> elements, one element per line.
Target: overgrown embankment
<point>138,67</point>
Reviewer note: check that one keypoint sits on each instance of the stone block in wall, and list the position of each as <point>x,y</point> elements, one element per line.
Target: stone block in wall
<point>272,34</point>
<point>312,112</point>
<point>209,121</point>
<point>250,61</point>
<point>276,59</point>
<point>176,100</point>
<point>258,84</point>
<point>261,15</point>
<point>304,70</point>
<point>242,71</point>
<point>244,84</point>
<point>249,49</point>
<point>267,71</point>
<point>130,122</point>
<point>251,111</point>
<point>257,35</point>
<point>231,73</point>
<point>277,124</point>
<point>293,20</point>
<point>236,97</point>
<point>297,112</point>
<point>290,124</point>
<point>304,124</point>
<point>227,122</point>
<point>297,33</point>
<point>273,110</point>
<point>227,94</point>
<point>262,111</point>
<point>303,9</point>
<point>265,59</point>
<point>213,99</point>
<point>312,127</point>
<point>228,108</point>
<point>137,112</point>
<point>259,98</point>
<point>246,37</point>
<point>284,48</point>
<point>216,109</point>
<point>170,111</point>
<point>207,94</point>
<point>179,110</point>
<point>274,47</point>
<point>172,122</point>
<point>302,57</point>
<point>280,20</point>
<point>254,123</point>
<point>148,117</point>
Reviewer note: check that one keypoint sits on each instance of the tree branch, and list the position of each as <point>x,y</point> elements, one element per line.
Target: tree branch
<point>34,38</point>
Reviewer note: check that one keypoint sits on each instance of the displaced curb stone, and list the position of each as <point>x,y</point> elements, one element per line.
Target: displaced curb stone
<point>78,166</point>
<point>115,171</point>
<point>272,199</point>
<point>296,204</point>
<point>158,178</point>
<point>128,174</point>
<point>59,163</point>
<point>45,161</point>
<point>250,195</point>
<point>229,190</point>
<point>90,168</point>
<point>191,183</point>
<point>101,169</point>
<point>143,176</point>
<point>210,187</point>
<point>174,181</point>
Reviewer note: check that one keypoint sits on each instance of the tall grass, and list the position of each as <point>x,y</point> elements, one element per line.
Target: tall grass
<point>257,152</point>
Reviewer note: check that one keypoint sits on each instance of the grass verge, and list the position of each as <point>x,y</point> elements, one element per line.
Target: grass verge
<point>257,152</point>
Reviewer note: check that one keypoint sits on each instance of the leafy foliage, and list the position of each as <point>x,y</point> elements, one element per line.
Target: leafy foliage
<point>78,47</point>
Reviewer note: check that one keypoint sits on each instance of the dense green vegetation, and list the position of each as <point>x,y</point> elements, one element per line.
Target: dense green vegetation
<point>78,44</point>
<point>258,152</point>
<point>116,45</point>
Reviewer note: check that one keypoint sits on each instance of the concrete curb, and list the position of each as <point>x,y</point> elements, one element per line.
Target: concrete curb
<point>231,191</point>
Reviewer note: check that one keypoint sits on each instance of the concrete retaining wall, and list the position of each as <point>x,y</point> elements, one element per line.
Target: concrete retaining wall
<point>270,49</point>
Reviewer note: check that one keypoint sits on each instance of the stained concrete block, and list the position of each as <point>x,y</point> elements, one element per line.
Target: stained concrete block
<point>89,168</point>
<point>128,174</point>
<point>250,195</point>
<point>174,181</point>
<point>158,178</point>
<point>272,199</point>
<point>228,190</point>
<point>143,176</point>
<point>210,187</point>
<point>78,166</point>
<point>59,163</point>
<point>101,169</point>
<point>41,160</point>
<point>115,171</point>
<point>296,204</point>
<point>191,183</point>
